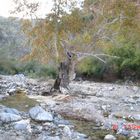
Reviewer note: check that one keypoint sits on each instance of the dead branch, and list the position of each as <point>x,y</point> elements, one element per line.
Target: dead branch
<point>81,55</point>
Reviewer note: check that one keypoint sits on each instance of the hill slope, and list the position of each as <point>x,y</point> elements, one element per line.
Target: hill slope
<point>13,42</point>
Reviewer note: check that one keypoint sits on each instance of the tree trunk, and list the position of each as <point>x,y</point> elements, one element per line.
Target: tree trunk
<point>66,74</point>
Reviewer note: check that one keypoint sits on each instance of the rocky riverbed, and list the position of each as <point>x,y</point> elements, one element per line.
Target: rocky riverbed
<point>90,111</point>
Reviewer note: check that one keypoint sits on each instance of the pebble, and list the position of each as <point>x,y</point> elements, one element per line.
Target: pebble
<point>109,137</point>
<point>39,114</point>
<point>8,117</point>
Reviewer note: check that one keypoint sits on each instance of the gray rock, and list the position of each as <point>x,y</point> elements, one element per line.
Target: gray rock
<point>111,88</point>
<point>109,137</point>
<point>8,117</point>
<point>136,89</point>
<point>136,117</point>
<point>128,100</point>
<point>39,114</point>
<point>107,124</point>
<point>81,110</point>
<point>99,94</point>
<point>12,111</point>
<point>23,125</point>
<point>80,136</point>
<point>105,107</point>
<point>2,97</point>
<point>67,132</point>
<point>12,91</point>
<point>19,79</point>
<point>132,138</point>
<point>52,138</point>
<point>10,136</point>
<point>44,137</point>
<point>131,108</point>
<point>61,122</point>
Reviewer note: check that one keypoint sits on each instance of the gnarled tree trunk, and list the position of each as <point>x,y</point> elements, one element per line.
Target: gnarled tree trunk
<point>66,74</point>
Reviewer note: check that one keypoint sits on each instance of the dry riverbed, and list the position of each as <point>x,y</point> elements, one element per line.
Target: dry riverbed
<point>90,111</point>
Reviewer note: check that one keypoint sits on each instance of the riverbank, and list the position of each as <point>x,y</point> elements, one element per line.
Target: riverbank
<point>108,107</point>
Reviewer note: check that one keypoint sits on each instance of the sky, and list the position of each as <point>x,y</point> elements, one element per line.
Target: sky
<point>7,5</point>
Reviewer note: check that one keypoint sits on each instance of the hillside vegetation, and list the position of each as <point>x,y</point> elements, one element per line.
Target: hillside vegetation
<point>107,31</point>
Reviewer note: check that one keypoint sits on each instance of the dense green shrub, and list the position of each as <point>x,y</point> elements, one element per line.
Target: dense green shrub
<point>7,66</point>
<point>91,67</point>
<point>128,63</point>
<point>46,71</point>
<point>32,69</point>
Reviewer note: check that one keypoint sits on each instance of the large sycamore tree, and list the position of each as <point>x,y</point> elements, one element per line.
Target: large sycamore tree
<point>68,33</point>
<point>50,35</point>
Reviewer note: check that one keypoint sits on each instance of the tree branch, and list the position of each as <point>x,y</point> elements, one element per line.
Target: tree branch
<point>82,55</point>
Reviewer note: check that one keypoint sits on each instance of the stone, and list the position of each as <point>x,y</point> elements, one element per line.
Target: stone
<point>60,122</point>
<point>136,117</point>
<point>80,135</point>
<point>8,117</point>
<point>39,114</point>
<point>39,128</point>
<point>104,107</point>
<point>107,124</point>
<point>53,138</point>
<point>11,136</point>
<point>67,131</point>
<point>99,94</point>
<point>132,138</point>
<point>23,125</point>
<point>131,108</point>
<point>111,88</point>
<point>11,110</point>
<point>2,97</point>
<point>136,89</point>
<point>18,90</point>
<point>81,110</point>
<point>109,137</point>
<point>12,91</point>
<point>49,138</point>
<point>128,100</point>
